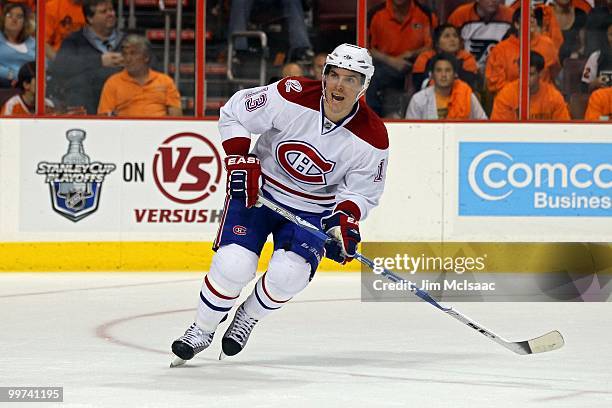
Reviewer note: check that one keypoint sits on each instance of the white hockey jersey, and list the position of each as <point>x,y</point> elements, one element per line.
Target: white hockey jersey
<point>308,162</point>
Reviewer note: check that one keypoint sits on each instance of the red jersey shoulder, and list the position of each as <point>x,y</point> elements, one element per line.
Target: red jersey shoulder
<point>302,91</point>
<point>367,126</point>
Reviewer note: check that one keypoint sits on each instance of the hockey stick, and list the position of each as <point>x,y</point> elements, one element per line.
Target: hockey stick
<point>547,342</point>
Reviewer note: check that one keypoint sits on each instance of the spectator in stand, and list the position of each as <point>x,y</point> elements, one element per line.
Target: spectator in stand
<point>572,21</point>
<point>448,97</point>
<point>292,69</point>
<point>446,39</point>
<point>318,62</point>
<point>62,17</point>
<point>503,62</point>
<point>398,32</point>
<point>482,24</point>
<point>289,69</point>
<point>550,25</point>
<point>545,101</point>
<point>600,105</point>
<point>139,90</point>
<point>598,68</point>
<point>300,48</point>
<point>23,104</point>
<point>598,19</point>
<point>16,43</point>
<point>87,58</point>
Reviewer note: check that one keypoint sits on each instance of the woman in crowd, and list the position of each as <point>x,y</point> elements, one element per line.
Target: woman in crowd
<point>16,43</point>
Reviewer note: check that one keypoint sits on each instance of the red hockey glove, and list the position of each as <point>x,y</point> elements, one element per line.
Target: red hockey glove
<point>344,230</point>
<point>243,178</point>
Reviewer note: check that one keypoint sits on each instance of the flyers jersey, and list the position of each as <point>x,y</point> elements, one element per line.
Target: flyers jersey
<point>479,35</point>
<point>15,106</point>
<point>309,163</point>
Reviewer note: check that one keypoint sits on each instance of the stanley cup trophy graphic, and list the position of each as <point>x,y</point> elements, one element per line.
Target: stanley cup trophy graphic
<point>75,194</point>
<point>76,182</point>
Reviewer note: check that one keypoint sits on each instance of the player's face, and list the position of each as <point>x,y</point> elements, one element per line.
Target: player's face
<point>341,89</point>
<point>443,74</point>
<point>449,40</point>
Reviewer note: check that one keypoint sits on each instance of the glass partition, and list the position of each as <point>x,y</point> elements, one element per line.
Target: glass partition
<point>17,58</point>
<point>472,48</point>
<point>431,57</point>
<point>585,57</point>
<point>255,46</point>
<point>121,59</point>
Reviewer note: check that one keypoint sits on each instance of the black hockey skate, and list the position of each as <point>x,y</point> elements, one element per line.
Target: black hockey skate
<point>237,334</point>
<point>191,343</point>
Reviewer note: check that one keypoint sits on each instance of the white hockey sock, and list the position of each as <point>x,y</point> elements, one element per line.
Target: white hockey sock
<point>260,303</point>
<point>214,304</point>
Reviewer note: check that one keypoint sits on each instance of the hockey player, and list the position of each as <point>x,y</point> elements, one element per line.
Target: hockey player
<point>322,154</point>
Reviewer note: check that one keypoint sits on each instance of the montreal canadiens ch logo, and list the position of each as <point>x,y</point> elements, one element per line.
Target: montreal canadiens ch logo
<point>303,162</point>
<point>239,230</point>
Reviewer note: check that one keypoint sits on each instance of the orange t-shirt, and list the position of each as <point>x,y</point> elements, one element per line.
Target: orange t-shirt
<point>62,17</point>
<point>123,96</point>
<point>479,35</point>
<point>503,62</point>
<point>393,37</point>
<point>546,104</point>
<point>600,105</point>
<point>442,105</point>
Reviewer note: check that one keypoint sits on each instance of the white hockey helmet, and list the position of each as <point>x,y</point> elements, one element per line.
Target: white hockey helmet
<point>354,58</point>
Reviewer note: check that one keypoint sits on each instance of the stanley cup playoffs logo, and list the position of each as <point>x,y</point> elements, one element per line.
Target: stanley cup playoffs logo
<point>76,182</point>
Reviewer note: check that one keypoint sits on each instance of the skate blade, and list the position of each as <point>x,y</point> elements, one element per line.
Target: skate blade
<point>222,355</point>
<point>177,362</point>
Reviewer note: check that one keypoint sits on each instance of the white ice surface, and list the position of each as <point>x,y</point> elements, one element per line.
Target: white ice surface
<point>105,338</point>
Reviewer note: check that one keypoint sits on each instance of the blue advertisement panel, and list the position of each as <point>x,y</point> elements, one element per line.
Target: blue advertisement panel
<point>535,179</point>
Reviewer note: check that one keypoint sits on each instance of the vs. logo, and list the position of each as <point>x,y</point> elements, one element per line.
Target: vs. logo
<point>303,162</point>
<point>187,168</point>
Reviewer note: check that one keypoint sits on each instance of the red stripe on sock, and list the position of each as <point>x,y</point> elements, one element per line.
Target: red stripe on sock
<point>214,291</point>
<point>263,285</point>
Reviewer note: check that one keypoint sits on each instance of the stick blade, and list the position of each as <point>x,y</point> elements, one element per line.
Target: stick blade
<point>548,342</point>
